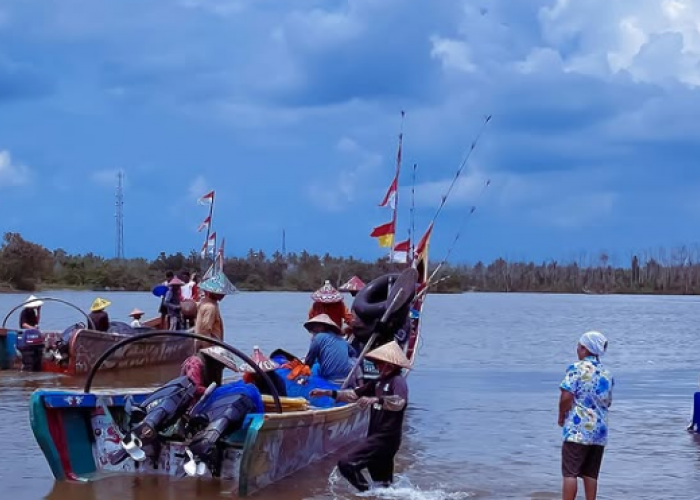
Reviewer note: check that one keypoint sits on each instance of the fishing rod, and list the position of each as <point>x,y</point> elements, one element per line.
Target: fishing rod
<point>459,232</point>
<point>465,159</point>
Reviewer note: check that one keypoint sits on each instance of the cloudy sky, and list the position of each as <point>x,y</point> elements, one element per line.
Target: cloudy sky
<point>291,111</point>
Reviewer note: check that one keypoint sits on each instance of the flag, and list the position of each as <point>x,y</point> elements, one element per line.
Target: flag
<point>390,196</point>
<point>401,257</point>
<point>207,199</point>
<point>204,225</point>
<point>403,246</point>
<point>220,255</point>
<point>208,246</point>
<point>422,246</point>
<point>384,234</point>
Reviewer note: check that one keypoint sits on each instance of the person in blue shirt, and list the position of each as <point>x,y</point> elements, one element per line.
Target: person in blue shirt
<point>586,396</point>
<point>329,349</point>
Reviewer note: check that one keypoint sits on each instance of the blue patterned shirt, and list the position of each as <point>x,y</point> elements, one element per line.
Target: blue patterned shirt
<point>591,385</point>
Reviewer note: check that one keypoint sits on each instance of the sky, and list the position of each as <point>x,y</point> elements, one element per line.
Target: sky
<point>291,112</point>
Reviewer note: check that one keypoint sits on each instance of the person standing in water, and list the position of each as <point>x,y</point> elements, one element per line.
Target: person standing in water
<point>388,398</point>
<point>586,396</point>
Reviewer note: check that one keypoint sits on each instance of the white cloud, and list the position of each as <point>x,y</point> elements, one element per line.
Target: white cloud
<point>11,173</point>
<point>452,54</point>
<point>199,187</point>
<point>107,177</point>
<point>654,41</point>
<point>335,194</point>
<point>563,199</point>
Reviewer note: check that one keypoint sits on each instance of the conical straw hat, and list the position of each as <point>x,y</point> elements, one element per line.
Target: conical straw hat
<point>218,283</point>
<point>136,312</point>
<point>354,284</point>
<point>99,304</point>
<point>323,319</point>
<point>327,294</point>
<point>390,353</point>
<point>263,362</point>
<point>33,302</point>
<point>221,355</point>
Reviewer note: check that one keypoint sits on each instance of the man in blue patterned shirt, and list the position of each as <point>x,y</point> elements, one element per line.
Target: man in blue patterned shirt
<point>586,395</point>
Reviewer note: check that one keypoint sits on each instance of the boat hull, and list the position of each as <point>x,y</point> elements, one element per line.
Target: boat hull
<point>77,438</point>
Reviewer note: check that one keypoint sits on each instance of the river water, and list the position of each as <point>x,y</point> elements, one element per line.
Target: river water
<point>483,399</point>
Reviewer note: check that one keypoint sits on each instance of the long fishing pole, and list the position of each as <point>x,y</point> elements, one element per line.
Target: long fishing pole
<point>459,232</point>
<point>467,155</point>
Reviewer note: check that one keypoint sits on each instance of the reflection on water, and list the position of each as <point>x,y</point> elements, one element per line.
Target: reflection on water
<point>482,415</point>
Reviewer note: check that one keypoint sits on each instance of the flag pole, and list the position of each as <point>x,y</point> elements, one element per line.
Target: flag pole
<point>396,192</point>
<point>211,213</point>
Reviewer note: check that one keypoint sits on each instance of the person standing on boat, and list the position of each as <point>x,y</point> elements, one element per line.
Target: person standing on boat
<point>31,314</point>
<point>586,396</point>
<point>98,315</point>
<point>137,314</point>
<point>328,300</point>
<point>388,398</point>
<point>173,300</point>
<point>329,349</point>
<point>209,321</point>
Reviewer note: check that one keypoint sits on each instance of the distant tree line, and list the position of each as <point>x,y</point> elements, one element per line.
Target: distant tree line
<point>28,266</point>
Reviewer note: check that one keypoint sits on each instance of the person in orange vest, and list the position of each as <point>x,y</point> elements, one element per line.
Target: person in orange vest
<point>328,300</point>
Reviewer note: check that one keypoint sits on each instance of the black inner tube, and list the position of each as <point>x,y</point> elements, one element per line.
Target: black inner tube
<point>166,333</point>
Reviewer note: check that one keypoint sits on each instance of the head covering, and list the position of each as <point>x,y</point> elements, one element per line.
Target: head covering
<point>99,304</point>
<point>263,362</point>
<point>176,282</point>
<point>136,312</point>
<point>218,283</point>
<point>327,294</point>
<point>595,342</point>
<point>390,353</point>
<point>354,284</point>
<point>33,302</point>
<point>323,319</point>
<point>221,355</point>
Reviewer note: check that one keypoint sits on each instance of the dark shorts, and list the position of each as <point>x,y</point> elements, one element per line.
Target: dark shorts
<point>581,460</point>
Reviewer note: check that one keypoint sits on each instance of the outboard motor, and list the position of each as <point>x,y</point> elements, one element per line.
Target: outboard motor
<point>31,347</point>
<point>161,409</point>
<point>222,413</point>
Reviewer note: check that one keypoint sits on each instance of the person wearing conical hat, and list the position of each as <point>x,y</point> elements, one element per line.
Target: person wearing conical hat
<point>250,376</point>
<point>329,349</point>
<point>209,321</point>
<point>172,303</point>
<point>328,300</point>
<point>136,314</point>
<point>31,313</point>
<point>388,398</point>
<point>352,286</point>
<point>207,366</point>
<point>98,315</point>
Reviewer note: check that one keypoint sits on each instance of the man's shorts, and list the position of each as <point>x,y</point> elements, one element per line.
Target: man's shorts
<point>581,460</point>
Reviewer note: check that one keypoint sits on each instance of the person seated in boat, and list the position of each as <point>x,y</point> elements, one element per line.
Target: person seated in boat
<point>250,376</point>
<point>388,398</point>
<point>172,303</point>
<point>137,314</point>
<point>209,321</point>
<point>329,349</point>
<point>328,300</point>
<point>352,286</point>
<point>98,315</point>
<point>31,314</point>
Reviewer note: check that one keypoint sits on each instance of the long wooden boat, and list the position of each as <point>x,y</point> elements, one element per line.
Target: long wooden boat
<point>78,431</point>
<point>74,350</point>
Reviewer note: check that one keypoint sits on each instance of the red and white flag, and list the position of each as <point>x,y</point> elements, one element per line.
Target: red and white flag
<point>204,225</point>
<point>390,196</point>
<point>207,199</point>
<point>209,245</point>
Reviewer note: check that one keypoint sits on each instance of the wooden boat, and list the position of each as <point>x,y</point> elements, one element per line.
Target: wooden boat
<point>79,431</point>
<point>74,350</point>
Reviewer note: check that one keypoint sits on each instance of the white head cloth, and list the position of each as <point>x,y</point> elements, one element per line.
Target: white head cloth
<point>595,342</point>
